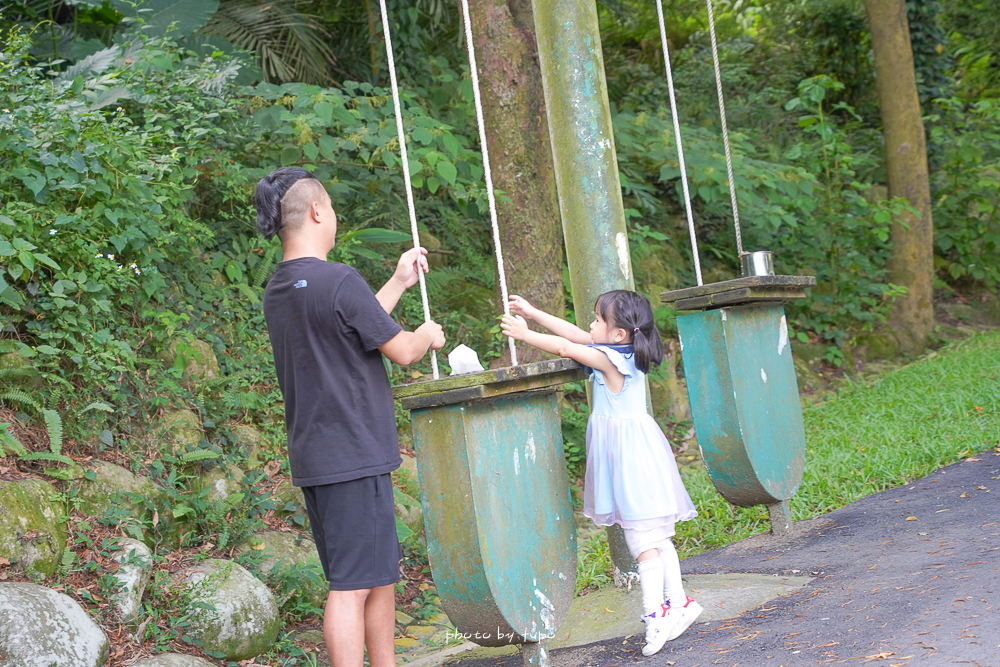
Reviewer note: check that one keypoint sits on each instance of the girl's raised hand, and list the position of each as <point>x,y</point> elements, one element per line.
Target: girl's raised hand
<point>514,326</point>
<point>520,306</point>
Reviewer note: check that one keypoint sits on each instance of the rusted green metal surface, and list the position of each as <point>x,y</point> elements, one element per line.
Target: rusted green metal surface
<point>497,509</point>
<point>745,402</point>
<point>583,149</point>
<point>586,168</point>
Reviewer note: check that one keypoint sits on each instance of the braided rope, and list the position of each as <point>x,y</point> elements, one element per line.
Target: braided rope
<point>725,130</point>
<point>680,147</point>
<point>487,175</point>
<point>406,172</point>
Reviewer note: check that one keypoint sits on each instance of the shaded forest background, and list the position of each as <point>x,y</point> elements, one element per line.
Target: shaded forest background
<point>131,138</point>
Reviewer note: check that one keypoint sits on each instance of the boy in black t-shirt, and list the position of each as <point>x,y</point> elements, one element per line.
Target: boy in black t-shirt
<point>328,333</point>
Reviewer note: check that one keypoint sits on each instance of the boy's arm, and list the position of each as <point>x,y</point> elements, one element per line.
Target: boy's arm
<point>517,328</point>
<point>408,347</point>
<point>560,327</point>
<point>406,276</point>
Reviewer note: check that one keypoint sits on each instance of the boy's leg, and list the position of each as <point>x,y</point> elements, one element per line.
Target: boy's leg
<point>380,626</point>
<point>344,627</point>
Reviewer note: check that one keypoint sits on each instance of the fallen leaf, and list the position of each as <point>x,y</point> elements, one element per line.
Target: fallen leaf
<point>4,562</point>
<point>882,655</point>
<point>911,518</point>
<point>156,518</point>
<point>963,495</point>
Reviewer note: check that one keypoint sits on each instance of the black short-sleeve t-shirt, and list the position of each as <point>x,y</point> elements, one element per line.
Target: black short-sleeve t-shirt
<point>325,327</point>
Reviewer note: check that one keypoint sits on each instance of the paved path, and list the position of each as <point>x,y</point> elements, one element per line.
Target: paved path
<point>909,576</point>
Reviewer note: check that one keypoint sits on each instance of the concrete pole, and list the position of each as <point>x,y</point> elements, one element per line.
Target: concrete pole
<point>586,167</point>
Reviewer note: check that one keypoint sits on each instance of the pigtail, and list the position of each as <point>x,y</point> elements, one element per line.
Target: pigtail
<point>632,312</point>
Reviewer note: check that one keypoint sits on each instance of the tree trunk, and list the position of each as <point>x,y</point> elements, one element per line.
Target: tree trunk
<point>520,156</point>
<point>912,261</point>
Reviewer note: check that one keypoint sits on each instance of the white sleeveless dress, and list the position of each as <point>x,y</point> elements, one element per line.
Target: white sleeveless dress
<point>632,477</point>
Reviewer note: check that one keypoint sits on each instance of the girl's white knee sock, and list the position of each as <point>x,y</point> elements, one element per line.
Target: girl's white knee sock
<point>651,580</point>
<point>673,587</point>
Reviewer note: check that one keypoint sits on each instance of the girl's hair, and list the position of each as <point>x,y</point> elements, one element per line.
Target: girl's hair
<point>269,193</point>
<point>630,311</point>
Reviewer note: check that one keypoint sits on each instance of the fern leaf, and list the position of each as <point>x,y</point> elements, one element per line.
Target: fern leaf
<point>98,405</point>
<point>260,274</point>
<point>199,455</point>
<point>18,396</point>
<point>53,422</point>
<point>47,456</point>
<point>10,442</point>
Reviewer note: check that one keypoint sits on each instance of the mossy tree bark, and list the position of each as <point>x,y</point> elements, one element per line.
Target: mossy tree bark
<point>912,261</point>
<point>520,155</point>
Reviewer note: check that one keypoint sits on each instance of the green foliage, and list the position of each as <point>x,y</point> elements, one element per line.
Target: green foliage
<point>966,189</point>
<point>871,437</point>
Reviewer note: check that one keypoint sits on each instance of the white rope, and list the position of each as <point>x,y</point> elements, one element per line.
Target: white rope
<point>680,147</point>
<point>486,170</point>
<point>725,130</point>
<point>406,173</point>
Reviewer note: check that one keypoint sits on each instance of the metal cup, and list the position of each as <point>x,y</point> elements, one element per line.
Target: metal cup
<point>760,263</point>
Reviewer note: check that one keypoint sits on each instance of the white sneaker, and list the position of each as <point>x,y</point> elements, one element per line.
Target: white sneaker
<point>683,618</point>
<point>658,628</point>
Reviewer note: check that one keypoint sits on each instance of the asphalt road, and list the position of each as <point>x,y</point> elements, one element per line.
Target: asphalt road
<point>909,576</point>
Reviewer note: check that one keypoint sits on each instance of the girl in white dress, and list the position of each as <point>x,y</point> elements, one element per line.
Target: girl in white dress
<point>631,477</point>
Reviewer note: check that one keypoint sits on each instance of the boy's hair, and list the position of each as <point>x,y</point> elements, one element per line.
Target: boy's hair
<point>273,215</point>
<point>630,311</point>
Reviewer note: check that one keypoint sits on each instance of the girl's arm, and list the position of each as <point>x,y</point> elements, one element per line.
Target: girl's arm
<point>560,327</point>
<point>517,328</point>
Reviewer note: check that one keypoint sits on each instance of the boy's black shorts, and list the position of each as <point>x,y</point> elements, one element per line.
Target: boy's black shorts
<point>354,525</point>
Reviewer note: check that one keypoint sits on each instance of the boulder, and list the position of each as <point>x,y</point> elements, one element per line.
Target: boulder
<point>24,376</point>
<point>136,565</point>
<point>31,532</point>
<point>291,503</point>
<point>110,480</point>
<point>221,482</point>
<point>242,621</point>
<point>253,442</point>
<point>42,628</point>
<point>876,345</point>
<point>173,660</point>
<point>282,548</point>
<point>179,430</point>
<point>286,550</point>
<point>197,358</point>
<point>409,511</point>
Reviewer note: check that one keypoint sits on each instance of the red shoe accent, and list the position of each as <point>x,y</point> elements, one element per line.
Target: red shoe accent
<point>666,608</point>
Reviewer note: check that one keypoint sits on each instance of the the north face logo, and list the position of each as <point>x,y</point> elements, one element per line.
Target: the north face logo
<point>301,283</point>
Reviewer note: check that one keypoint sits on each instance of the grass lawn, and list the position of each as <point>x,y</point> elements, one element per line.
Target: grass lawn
<point>865,438</point>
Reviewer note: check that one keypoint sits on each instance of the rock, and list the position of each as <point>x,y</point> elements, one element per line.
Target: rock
<point>960,311</point>
<point>136,565</point>
<point>31,532</point>
<point>876,345</point>
<point>407,643</point>
<point>42,628</point>
<point>103,492</point>
<point>811,353</point>
<point>806,378</point>
<point>409,511</point>
<point>244,620</point>
<point>403,619</point>
<point>198,360</point>
<point>405,477</point>
<point>310,636</point>
<point>253,442</point>
<point>287,549</point>
<point>422,632</point>
<point>440,619</point>
<point>24,376</point>
<point>180,430</point>
<point>291,503</point>
<point>220,482</point>
<point>173,660</point>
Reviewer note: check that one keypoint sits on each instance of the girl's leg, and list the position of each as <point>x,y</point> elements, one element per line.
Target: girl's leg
<point>651,581</point>
<point>673,586</point>
<point>682,608</point>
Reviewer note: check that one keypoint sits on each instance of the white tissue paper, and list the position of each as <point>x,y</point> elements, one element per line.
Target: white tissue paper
<point>464,360</point>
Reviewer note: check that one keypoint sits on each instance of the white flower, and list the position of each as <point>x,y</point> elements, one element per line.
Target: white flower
<point>52,232</point>
<point>6,110</point>
<point>98,255</point>
<point>111,257</point>
<point>120,267</point>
